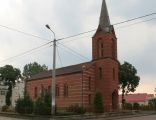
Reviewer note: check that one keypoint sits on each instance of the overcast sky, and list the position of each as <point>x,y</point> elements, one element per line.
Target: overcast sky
<point>136,42</point>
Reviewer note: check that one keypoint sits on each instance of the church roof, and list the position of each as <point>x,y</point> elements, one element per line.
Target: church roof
<point>60,71</point>
<point>104,23</point>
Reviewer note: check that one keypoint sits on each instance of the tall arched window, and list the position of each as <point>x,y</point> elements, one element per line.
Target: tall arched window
<point>57,91</point>
<point>113,73</point>
<point>35,92</point>
<point>89,83</point>
<point>100,48</point>
<point>65,90</point>
<point>100,73</point>
<point>113,48</point>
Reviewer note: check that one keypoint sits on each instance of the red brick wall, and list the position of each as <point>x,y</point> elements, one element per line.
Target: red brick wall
<point>88,78</point>
<point>108,84</point>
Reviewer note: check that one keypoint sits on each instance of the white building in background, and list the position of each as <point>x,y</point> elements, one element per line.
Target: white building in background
<point>3,92</point>
<point>17,91</point>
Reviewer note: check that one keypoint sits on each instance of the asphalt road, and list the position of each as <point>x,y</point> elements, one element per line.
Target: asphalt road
<point>149,117</point>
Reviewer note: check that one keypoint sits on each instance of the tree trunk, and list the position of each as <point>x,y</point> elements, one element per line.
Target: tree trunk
<point>8,96</point>
<point>123,100</point>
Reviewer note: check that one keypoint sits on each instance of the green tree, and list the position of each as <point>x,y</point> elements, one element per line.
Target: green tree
<point>32,69</point>
<point>128,79</point>
<point>8,76</point>
<point>98,102</point>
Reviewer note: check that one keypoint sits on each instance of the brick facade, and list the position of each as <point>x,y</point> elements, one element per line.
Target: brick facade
<point>77,84</point>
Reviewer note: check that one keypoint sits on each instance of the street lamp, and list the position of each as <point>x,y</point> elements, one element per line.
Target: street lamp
<point>53,82</point>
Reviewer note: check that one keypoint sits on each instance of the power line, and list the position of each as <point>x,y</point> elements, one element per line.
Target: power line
<point>22,32</point>
<point>28,34</point>
<point>75,52</point>
<point>112,24</point>
<point>65,42</point>
<point>135,23</point>
<point>70,37</point>
<point>26,52</point>
<point>134,19</point>
<point>59,56</point>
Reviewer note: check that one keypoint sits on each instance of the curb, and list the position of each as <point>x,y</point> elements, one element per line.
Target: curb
<point>106,116</point>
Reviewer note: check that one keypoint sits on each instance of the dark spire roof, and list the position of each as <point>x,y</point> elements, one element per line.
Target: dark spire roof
<point>104,18</point>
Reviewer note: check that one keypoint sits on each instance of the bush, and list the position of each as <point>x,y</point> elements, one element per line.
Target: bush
<point>152,103</point>
<point>5,108</point>
<point>98,103</point>
<point>128,106</point>
<point>76,109</point>
<point>43,105</point>
<point>136,106</point>
<point>24,105</point>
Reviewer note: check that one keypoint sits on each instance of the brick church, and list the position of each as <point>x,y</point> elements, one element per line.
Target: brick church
<point>77,84</point>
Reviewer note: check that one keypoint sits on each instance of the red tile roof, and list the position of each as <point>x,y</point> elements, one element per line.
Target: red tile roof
<point>139,97</point>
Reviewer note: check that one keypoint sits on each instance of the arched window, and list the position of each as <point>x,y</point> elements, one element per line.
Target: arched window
<point>100,48</point>
<point>35,92</point>
<point>100,73</point>
<point>57,91</point>
<point>113,73</point>
<point>89,99</point>
<point>49,89</point>
<point>89,83</point>
<point>65,90</point>
<point>113,48</point>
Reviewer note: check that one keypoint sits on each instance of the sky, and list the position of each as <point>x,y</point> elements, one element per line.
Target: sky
<point>136,39</point>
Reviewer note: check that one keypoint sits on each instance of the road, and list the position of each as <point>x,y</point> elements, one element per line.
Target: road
<point>9,118</point>
<point>149,117</point>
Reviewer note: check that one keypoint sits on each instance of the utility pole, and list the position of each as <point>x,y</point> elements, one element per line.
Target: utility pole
<point>53,82</point>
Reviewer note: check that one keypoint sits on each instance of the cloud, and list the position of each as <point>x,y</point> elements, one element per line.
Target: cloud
<point>136,44</point>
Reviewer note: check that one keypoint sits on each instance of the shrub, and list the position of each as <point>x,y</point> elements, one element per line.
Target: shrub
<point>136,106</point>
<point>5,108</point>
<point>43,105</point>
<point>98,103</point>
<point>76,109</point>
<point>152,103</point>
<point>128,106</point>
<point>24,105</point>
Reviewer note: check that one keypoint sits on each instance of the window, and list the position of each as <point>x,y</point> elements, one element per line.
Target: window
<point>42,90</point>
<point>89,83</point>
<point>57,91</point>
<point>65,90</point>
<point>113,73</point>
<point>100,73</point>
<point>113,48</point>
<point>89,99</point>
<point>2,92</point>
<point>100,48</point>
<point>36,94</point>
<point>102,52</point>
<point>49,89</point>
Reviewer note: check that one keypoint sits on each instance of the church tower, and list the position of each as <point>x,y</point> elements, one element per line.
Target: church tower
<point>104,55</point>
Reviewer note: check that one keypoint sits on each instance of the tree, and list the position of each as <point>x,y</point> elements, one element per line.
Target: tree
<point>128,79</point>
<point>8,76</point>
<point>32,69</point>
<point>98,103</point>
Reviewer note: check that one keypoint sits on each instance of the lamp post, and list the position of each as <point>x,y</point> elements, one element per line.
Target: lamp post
<point>53,82</point>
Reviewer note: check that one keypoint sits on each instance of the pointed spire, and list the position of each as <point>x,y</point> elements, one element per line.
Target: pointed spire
<point>104,18</point>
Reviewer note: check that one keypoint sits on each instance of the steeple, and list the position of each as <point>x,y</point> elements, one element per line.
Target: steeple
<point>104,23</point>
